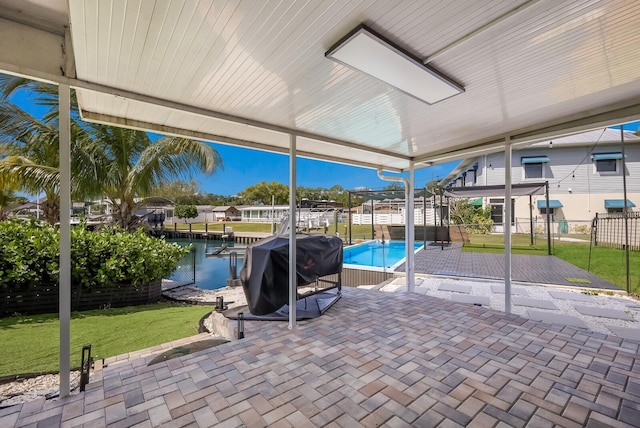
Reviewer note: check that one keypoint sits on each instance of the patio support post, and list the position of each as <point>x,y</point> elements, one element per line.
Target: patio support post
<point>292,232</point>
<point>435,213</point>
<point>410,229</point>
<point>531,218</point>
<point>546,196</point>
<point>64,286</point>
<point>373,230</point>
<point>408,220</point>
<point>507,225</point>
<point>424,217</point>
<point>625,209</point>
<point>349,219</point>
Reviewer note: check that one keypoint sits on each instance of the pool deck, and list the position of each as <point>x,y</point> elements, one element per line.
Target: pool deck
<point>450,260</point>
<point>392,359</point>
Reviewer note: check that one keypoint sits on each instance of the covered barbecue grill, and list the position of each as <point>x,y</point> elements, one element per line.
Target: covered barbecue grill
<point>265,272</point>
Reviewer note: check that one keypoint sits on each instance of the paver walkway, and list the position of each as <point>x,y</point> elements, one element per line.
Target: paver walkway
<point>451,260</point>
<point>393,359</point>
<point>599,312</point>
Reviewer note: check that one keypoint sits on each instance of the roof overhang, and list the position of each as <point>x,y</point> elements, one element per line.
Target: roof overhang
<point>496,190</point>
<point>254,76</point>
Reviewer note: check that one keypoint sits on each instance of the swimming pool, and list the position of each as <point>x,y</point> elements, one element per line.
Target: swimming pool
<point>211,272</point>
<point>376,255</point>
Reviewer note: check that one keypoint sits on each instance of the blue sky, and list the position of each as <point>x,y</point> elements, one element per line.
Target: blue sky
<point>245,167</point>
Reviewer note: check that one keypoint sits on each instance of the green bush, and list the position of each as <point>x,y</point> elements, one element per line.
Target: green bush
<point>582,229</point>
<point>29,255</point>
<point>475,219</point>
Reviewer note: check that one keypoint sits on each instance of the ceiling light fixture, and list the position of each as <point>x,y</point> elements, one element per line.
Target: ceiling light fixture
<point>370,53</point>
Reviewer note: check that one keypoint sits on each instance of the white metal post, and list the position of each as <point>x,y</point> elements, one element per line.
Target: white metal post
<point>507,225</point>
<point>292,231</point>
<point>64,105</point>
<point>409,227</point>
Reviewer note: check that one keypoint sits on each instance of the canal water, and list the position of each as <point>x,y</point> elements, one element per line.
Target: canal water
<point>210,273</point>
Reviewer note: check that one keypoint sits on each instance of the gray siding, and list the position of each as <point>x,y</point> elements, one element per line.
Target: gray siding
<point>568,168</point>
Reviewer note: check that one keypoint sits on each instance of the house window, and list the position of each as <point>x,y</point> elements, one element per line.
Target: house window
<point>606,163</point>
<point>470,178</point>
<point>553,205</point>
<point>533,170</point>
<point>607,166</point>
<point>552,213</point>
<point>533,167</point>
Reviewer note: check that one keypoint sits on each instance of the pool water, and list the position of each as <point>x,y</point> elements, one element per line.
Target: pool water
<point>378,254</point>
<point>211,273</point>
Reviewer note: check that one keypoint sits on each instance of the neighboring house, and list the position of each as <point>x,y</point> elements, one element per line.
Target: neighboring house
<point>307,217</point>
<point>156,210</point>
<point>263,213</point>
<point>584,172</point>
<point>226,213</point>
<point>206,214</point>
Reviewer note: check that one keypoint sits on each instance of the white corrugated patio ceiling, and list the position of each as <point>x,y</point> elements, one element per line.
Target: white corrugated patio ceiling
<point>252,73</point>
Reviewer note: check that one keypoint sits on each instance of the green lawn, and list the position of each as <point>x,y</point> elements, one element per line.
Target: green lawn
<point>30,344</point>
<point>606,263</point>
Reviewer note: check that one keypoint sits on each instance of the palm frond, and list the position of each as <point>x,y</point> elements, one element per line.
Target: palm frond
<point>173,157</point>
<point>31,176</point>
<point>18,126</point>
<point>10,84</point>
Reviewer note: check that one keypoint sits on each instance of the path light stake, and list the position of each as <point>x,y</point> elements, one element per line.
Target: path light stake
<point>219,303</point>
<point>85,366</point>
<point>240,325</point>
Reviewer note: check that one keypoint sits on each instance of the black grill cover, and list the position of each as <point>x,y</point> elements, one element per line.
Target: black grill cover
<point>265,271</point>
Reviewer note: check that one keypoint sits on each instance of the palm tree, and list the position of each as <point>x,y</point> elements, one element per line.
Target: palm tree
<point>121,164</point>
<point>7,194</point>
<point>32,159</point>
<point>133,166</point>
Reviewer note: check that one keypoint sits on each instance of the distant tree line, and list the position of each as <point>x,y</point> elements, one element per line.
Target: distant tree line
<point>190,193</point>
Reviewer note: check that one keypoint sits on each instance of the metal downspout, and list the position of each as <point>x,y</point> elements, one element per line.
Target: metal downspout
<point>408,227</point>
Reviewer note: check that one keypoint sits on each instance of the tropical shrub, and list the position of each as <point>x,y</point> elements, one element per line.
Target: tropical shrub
<point>582,228</point>
<point>29,253</point>
<point>185,211</point>
<point>29,256</point>
<point>475,219</point>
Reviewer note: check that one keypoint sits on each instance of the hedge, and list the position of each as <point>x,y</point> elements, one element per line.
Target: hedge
<point>29,258</point>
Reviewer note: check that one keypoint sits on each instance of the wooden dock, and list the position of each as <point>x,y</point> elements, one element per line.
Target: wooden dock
<point>214,235</point>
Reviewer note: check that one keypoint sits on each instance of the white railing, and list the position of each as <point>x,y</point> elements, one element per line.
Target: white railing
<point>389,218</point>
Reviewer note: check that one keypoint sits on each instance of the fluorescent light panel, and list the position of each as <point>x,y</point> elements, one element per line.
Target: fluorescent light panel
<point>369,53</point>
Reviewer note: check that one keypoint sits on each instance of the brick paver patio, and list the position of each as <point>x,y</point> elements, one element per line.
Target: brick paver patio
<point>449,259</point>
<point>393,359</point>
